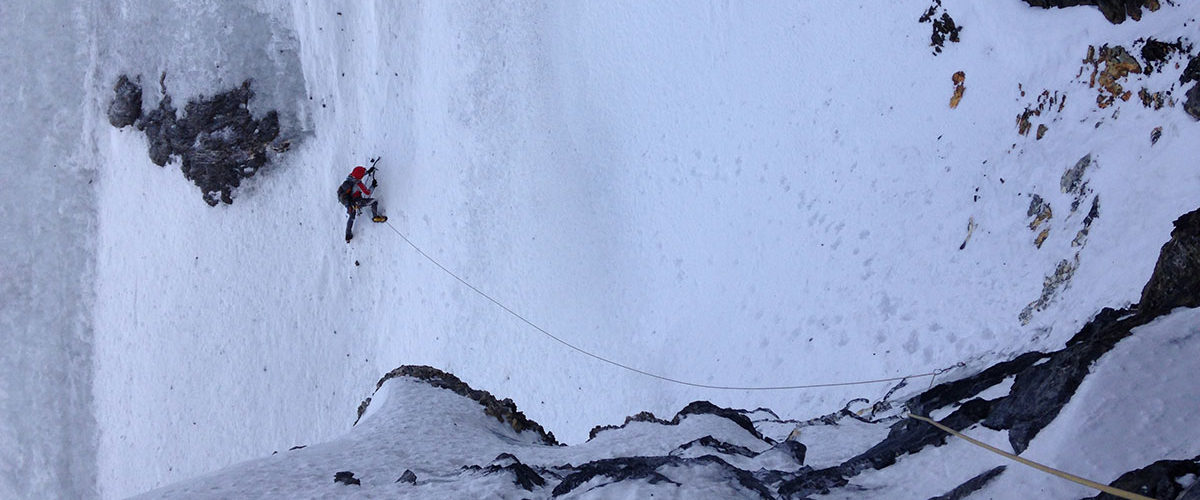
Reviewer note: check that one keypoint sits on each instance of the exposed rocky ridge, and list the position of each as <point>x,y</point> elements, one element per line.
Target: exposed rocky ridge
<point>504,410</point>
<point>1161,479</point>
<point>971,485</point>
<point>1043,382</point>
<point>647,468</point>
<point>1116,11</point>
<point>218,141</point>
<point>644,416</point>
<point>1176,278</point>
<point>523,475</point>
<point>694,408</point>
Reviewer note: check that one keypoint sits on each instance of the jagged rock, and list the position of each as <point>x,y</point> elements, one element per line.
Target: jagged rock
<point>646,468</point>
<point>408,477</point>
<point>1192,104</point>
<point>944,27</point>
<point>644,416</point>
<point>218,140</point>
<point>794,449</point>
<point>949,393</point>
<point>693,408</point>
<point>1040,210</point>
<point>1040,391</point>
<point>504,411</point>
<point>1192,71</point>
<point>523,475</point>
<point>1072,178</point>
<point>716,445</point>
<point>1114,10</point>
<point>705,407</point>
<point>971,485</point>
<point>160,127</point>
<point>126,107</point>
<point>346,477</point>
<point>1157,480</point>
<point>1155,53</point>
<point>617,469</point>
<point>813,482</point>
<point>1062,275</point>
<point>909,436</point>
<point>1176,278</point>
<point>1092,215</point>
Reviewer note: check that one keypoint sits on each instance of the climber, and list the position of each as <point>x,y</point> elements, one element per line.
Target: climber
<point>354,194</point>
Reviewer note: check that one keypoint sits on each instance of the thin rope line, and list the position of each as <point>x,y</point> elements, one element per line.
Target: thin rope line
<point>1044,468</point>
<point>630,368</point>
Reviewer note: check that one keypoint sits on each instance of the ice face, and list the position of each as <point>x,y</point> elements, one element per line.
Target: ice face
<point>47,235</point>
<point>204,47</point>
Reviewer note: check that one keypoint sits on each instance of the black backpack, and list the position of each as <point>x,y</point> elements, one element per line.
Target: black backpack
<point>344,191</point>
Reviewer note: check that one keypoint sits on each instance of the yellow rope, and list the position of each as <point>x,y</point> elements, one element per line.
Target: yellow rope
<point>1049,470</point>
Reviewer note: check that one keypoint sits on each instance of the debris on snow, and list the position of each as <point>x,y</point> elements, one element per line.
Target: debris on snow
<point>958,79</point>
<point>944,27</point>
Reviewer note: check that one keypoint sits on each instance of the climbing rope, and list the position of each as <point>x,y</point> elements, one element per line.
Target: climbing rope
<point>543,331</point>
<point>1044,468</point>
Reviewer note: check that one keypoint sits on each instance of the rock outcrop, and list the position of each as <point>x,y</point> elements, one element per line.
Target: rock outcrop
<point>504,410</point>
<point>971,485</point>
<point>126,106</point>
<point>1161,479</point>
<point>522,475</point>
<point>1192,104</point>
<point>217,140</point>
<point>1116,11</point>
<point>1176,278</point>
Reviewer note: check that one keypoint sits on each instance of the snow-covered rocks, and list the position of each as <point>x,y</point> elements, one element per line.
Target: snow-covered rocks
<point>504,411</point>
<point>1176,279</point>
<point>1192,104</point>
<point>126,106</point>
<point>217,139</point>
<point>1115,11</point>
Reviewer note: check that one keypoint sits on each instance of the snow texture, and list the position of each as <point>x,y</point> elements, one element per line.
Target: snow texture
<point>738,194</point>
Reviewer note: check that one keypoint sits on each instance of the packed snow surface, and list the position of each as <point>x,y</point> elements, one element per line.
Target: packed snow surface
<point>745,194</point>
<point>439,436</point>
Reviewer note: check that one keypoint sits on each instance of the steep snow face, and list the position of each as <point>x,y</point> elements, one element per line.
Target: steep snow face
<point>176,346</point>
<point>743,194</point>
<point>47,252</point>
<point>420,441</point>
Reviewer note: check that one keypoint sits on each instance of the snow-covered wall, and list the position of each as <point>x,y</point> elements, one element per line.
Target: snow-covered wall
<point>730,194</point>
<point>47,251</point>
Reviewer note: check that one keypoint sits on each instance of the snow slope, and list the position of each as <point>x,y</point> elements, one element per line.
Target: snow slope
<point>729,194</point>
<point>1120,419</point>
<point>750,195</point>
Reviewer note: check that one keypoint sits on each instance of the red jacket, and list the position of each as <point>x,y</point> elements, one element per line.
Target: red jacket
<point>360,190</point>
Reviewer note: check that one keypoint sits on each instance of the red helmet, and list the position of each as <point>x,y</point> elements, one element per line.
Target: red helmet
<point>359,172</point>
